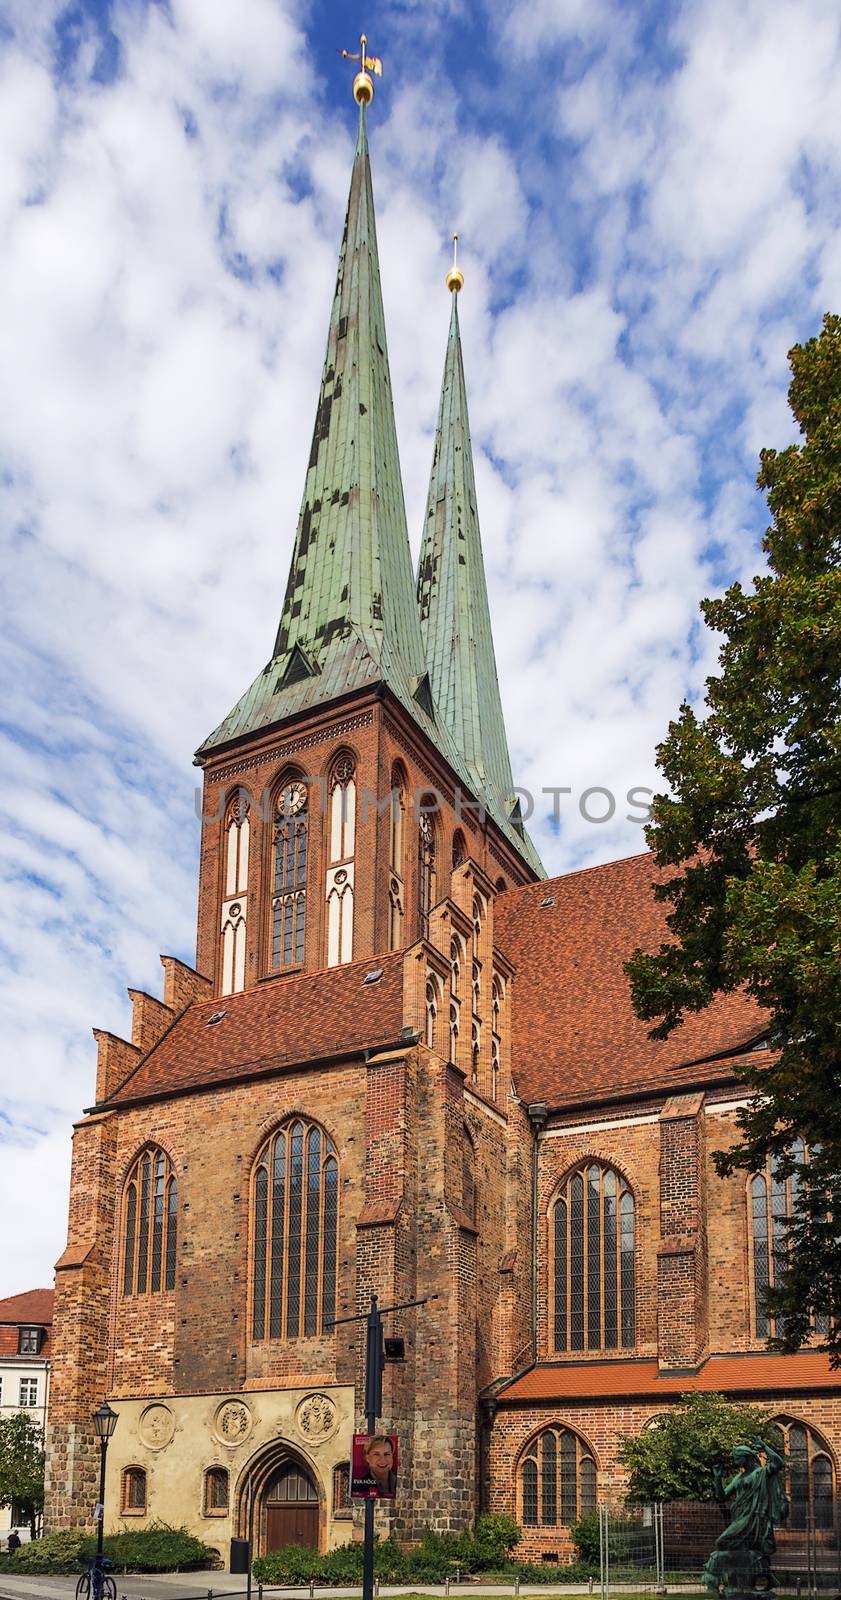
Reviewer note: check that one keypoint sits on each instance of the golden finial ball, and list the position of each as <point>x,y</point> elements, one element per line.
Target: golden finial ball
<point>363,89</point>
<point>455,279</point>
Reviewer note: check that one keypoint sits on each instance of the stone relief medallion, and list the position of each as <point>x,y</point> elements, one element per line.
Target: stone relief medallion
<point>233,1422</point>
<point>157,1426</point>
<point>315,1418</point>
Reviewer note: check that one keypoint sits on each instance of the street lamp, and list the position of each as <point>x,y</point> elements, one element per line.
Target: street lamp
<point>104,1423</point>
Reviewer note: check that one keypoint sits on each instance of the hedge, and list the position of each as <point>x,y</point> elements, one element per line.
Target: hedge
<point>158,1548</point>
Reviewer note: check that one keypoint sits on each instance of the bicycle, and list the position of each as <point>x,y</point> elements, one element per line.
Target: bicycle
<point>96,1583</point>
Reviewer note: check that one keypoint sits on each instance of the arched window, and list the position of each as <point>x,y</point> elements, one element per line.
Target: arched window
<point>771,1202</point>
<point>810,1475</point>
<point>295,1210</point>
<point>454,1029</point>
<point>340,870</point>
<point>431,1016</point>
<point>341,1489</point>
<point>497,996</point>
<point>426,864</point>
<point>456,967</point>
<point>133,1495</point>
<point>289,878</point>
<point>475,1048</point>
<point>459,850</point>
<point>235,895</point>
<point>476,985</point>
<point>591,1230</point>
<point>396,835</point>
<point>150,1224</point>
<point>557,1480</point>
<point>215,1492</point>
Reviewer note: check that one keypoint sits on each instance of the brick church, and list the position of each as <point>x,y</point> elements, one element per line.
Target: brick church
<point>404,1062</point>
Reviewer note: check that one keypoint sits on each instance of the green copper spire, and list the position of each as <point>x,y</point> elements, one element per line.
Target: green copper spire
<point>453,601</point>
<point>349,617</point>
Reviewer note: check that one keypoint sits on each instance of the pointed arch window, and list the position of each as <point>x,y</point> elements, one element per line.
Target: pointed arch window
<point>426,865</point>
<point>591,1225</point>
<point>475,1048</point>
<point>150,1224</point>
<point>459,850</point>
<point>431,1011</point>
<point>396,835</point>
<point>289,876</point>
<point>557,1480</point>
<point>497,997</point>
<point>236,841</point>
<point>295,1231</point>
<point>809,1475</point>
<point>340,872</point>
<point>456,969</point>
<point>772,1200</point>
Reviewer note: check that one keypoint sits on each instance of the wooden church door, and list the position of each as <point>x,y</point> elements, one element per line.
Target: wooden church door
<point>291,1509</point>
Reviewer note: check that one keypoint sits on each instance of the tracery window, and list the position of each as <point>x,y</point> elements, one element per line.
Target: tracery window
<point>150,1224</point>
<point>557,1480</point>
<point>289,878</point>
<point>431,1011</point>
<point>340,872</point>
<point>591,1230</point>
<point>809,1474</point>
<point>235,895</point>
<point>215,1492</point>
<point>295,1231</point>
<point>426,865</point>
<point>397,828</point>
<point>133,1497</point>
<point>772,1200</point>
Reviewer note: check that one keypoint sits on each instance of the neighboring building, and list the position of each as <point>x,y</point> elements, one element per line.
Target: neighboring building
<point>404,1063</point>
<point>26,1322</point>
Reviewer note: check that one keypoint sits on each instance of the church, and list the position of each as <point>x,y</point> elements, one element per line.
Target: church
<point>404,1063</point>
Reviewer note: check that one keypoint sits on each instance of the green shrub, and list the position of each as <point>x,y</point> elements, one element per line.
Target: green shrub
<point>57,1552</point>
<point>488,1546</point>
<point>292,1565</point>
<point>585,1536</point>
<point>157,1548</point>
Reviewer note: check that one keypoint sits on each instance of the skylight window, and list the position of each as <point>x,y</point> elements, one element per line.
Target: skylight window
<point>217,1017</point>
<point>373,976</point>
<point>548,900</point>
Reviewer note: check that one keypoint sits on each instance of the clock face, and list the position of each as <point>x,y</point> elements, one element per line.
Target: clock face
<point>293,800</point>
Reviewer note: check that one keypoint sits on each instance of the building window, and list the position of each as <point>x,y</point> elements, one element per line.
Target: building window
<point>456,968</point>
<point>431,1015</point>
<point>235,895</point>
<point>459,850</point>
<point>289,878</point>
<point>592,1249</point>
<point>396,834</point>
<point>426,865</point>
<point>28,1394</point>
<point>557,1480</point>
<point>340,872</point>
<point>341,1490</point>
<point>215,1492</point>
<point>134,1492</point>
<point>497,997</point>
<point>772,1199</point>
<point>475,1048</point>
<point>295,1210</point>
<point>809,1474</point>
<point>29,1341</point>
<point>468,1175</point>
<point>150,1224</point>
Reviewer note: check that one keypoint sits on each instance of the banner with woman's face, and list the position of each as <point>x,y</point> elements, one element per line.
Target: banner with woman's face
<point>373,1474</point>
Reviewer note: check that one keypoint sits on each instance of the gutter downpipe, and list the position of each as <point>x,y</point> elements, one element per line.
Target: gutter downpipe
<point>537,1112</point>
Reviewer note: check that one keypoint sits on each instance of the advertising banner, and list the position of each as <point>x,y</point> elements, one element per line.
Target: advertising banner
<point>373,1471</point>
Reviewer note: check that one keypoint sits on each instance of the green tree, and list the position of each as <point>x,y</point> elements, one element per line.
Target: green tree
<point>674,1458</point>
<point>750,840</point>
<point>22,1465</point>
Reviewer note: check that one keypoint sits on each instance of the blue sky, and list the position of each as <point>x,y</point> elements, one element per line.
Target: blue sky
<point>648,199</point>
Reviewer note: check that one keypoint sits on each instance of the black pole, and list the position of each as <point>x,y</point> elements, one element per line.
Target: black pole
<point>373,1409</point>
<point>103,1446</point>
<point>250,1531</point>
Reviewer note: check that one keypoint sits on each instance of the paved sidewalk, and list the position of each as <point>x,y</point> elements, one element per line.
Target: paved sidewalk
<point>199,1585</point>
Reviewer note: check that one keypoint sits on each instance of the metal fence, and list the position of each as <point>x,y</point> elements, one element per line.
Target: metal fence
<point>657,1548</point>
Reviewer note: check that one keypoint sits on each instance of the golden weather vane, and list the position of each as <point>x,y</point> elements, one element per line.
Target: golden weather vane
<point>363,83</point>
<point>455,276</point>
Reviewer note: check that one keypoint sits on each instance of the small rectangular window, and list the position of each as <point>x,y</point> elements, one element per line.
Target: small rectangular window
<point>29,1341</point>
<point>134,1491</point>
<point>28,1392</point>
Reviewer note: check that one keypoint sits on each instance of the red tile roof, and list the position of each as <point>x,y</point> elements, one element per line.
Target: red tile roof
<point>574,1034</point>
<point>303,1018</point>
<point>733,1374</point>
<point>33,1308</point>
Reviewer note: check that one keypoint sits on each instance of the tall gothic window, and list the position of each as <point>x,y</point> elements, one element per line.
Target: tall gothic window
<point>557,1480</point>
<point>289,878</point>
<point>431,1011</point>
<point>150,1224</point>
<point>468,1175</point>
<point>497,997</point>
<point>810,1476</point>
<point>456,970</point>
<point>234,895</point>
<point>295,1231</point>
<point>396,834</point>
<point>459,850</point>
<point>772,1199</point>
<point>476,986</point>
<point>340,871</point>
<point>591,1231</point>
<point>426,866</point>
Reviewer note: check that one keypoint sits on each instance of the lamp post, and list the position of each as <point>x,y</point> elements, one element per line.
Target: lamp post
<point>104,1423</point>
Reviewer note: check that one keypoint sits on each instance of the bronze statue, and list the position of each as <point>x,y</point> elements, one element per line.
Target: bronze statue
<point>740,1564</point>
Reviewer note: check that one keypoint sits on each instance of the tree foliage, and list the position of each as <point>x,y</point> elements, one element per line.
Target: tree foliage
<point>752,830</point>
<point>22,1464</point>
<point>675,1457</point>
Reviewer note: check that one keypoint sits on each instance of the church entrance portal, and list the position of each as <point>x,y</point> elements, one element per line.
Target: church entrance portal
<point>291,1502</point>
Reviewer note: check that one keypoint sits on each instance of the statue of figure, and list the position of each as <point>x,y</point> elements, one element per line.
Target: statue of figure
<point>740,1564</point>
